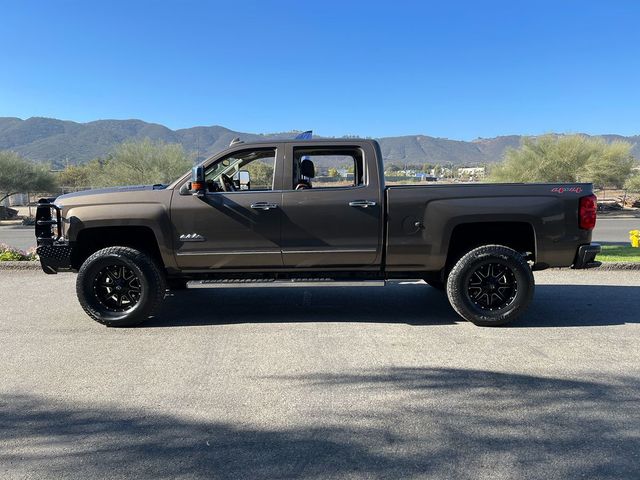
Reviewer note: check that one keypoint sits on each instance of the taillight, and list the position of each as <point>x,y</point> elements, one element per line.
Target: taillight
<point>587,212</point>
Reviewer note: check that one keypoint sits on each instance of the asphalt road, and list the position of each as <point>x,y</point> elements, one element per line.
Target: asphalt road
<point>322,383</point>
<point>610,230</point>
<point>18,236</point>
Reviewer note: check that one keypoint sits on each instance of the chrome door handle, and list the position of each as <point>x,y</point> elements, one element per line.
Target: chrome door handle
<point>362,203</point>
<point>264,206</point>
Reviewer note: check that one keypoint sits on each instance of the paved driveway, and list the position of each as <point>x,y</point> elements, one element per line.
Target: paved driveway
<point>322,383</point>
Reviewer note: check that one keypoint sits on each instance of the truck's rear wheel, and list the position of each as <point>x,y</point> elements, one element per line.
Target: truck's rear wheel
<point>120,286</point>
<point>490,285</point>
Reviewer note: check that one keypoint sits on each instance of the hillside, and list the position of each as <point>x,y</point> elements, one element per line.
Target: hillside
<point>60,141</point>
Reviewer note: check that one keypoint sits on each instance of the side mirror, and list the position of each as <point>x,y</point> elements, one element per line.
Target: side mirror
<point>244,179</point>
<point>198,184</point>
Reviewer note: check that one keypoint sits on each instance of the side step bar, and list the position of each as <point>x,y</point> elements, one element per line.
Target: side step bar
<point>294,282</point>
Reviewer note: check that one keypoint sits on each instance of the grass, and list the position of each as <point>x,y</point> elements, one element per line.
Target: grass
<point>619,253</point>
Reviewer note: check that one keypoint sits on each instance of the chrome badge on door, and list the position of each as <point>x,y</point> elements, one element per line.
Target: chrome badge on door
<point>192,237</point>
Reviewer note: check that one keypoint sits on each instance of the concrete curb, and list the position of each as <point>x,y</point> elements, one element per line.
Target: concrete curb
<point>619,266</point>
<point>30,265</point>
<point>619,217</point>
<point>24,265</point>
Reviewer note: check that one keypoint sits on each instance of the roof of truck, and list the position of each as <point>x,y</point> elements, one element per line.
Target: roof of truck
<point>310,140</point>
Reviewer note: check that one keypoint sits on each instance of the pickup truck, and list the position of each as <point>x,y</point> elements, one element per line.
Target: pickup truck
<point>313,212</point>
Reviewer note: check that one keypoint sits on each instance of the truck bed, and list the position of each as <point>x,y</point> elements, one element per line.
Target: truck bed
<point>423,218</point>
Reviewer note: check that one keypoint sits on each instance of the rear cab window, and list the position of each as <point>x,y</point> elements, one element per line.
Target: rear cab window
<point>322,167</point>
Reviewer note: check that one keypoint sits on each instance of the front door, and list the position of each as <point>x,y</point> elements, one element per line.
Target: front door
<point>234,225</point>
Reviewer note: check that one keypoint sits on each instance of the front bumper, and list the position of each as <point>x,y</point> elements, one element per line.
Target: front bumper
<point>55,258</point>
<point>53,250</point>
<point>586,256</point>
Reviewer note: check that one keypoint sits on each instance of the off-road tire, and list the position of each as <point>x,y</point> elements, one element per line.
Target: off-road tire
<point>462,292</point>
<point>150,281</point>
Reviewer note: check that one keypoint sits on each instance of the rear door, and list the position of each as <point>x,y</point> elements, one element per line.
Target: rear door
<point>233,229</point>
<point>337,222</point>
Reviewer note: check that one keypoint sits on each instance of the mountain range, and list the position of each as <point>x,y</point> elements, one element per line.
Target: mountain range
<point>61,141</point>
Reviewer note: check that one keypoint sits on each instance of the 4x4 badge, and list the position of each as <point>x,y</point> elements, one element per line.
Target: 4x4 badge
<point>192,237</point>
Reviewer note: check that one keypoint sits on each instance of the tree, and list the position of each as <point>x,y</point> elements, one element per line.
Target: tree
<point>87,175</point>
<point>261,174</point>
<point>144,162</point>
<point>571,158</point>
<point>633,183</point>
<point>333,172</point>
<point>18,175</point>
<point>75,176</point>
<point>612,166</point>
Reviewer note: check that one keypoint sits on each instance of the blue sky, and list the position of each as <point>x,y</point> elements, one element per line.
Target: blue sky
<point>461,70</point>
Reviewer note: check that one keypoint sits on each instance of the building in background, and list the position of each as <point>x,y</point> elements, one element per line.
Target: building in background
<point>471,174</point>
<point>18,199</point>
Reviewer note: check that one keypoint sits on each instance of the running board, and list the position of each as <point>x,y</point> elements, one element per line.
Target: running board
<point>293,282</point>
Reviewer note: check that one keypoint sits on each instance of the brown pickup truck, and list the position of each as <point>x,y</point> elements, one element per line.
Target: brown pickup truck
<point>313,212</point>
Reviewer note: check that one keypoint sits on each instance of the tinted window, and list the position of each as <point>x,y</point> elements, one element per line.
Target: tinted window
<point>327,168</point>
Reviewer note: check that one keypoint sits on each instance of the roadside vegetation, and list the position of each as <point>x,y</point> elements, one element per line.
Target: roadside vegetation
<point>19,175</point>
<point>619,253</point>
<point>633,183</point>
<point>261,174</point>
<point>130,163</point>
<point>571,158</point>
<point>11,254</point>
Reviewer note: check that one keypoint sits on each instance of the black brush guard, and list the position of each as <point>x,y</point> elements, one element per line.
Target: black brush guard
<point>54,252</point>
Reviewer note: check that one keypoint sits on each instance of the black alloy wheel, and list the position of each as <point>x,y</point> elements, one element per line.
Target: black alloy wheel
<point>492,286</point>
<point>117,288</point>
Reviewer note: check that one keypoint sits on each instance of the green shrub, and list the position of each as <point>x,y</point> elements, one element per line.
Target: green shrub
<point>11,254</point>
<point>566,158</point>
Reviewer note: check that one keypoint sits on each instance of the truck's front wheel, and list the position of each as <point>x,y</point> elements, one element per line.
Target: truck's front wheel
<point>490,285</point>
<point>120,286</point>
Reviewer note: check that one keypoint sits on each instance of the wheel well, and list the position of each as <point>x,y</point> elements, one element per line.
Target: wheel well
<point>517,235</point>
<point>91,240</point>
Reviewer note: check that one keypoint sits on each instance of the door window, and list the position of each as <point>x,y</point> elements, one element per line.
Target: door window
<point>328,168</point>
<point>247,169</point>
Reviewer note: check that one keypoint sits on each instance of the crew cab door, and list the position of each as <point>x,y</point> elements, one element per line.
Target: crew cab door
<point>333,218</point>
<point>232,229</point>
